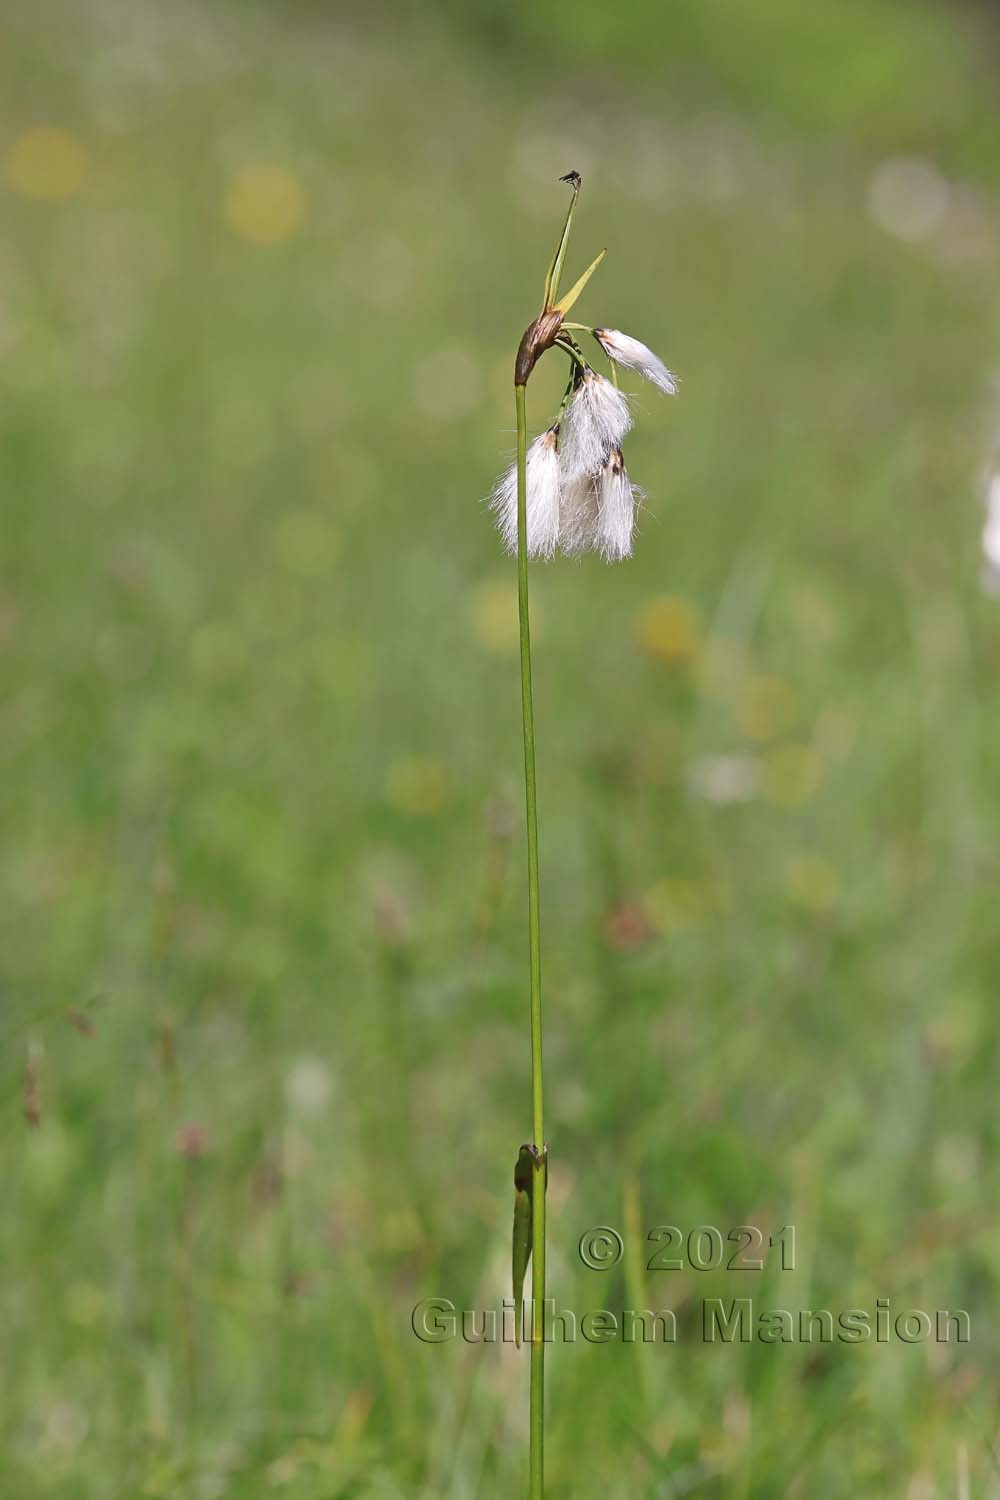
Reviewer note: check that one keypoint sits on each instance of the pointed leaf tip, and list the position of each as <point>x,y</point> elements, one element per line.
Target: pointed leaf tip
<point>555,268</point>
<point>565,303</point>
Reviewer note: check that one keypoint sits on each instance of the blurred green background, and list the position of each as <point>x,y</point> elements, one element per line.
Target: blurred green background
<point>264,1035</point>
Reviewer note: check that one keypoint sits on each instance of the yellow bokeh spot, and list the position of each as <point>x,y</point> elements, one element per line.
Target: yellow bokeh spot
<point>792,775</point>
<point>265,205</point>
<point>669,629</point>
<point>307,543</point>
<point>811,883</point>
<point>416,786</point>
<point>765,708</point>
<point>47,164</point>
<point>493,617</point>
<point>673,903</point>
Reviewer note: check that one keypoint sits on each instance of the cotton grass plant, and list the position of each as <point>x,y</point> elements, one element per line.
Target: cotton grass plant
<point>568,492</point>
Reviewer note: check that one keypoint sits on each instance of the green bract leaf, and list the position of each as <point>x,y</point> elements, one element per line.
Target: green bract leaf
<point>555,269</point>
<point>565,303</point>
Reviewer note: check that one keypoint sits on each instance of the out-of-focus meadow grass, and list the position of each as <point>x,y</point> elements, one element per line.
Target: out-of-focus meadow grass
<point>263,271</point>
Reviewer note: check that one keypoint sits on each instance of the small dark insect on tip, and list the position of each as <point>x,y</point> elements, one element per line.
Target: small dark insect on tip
<point>572,177</point>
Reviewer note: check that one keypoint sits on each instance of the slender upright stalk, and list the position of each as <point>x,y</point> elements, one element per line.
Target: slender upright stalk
<point>538,1176</point>
<point>582,447</point>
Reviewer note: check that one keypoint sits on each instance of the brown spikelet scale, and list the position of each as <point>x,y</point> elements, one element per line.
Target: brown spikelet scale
<point>538,336</point>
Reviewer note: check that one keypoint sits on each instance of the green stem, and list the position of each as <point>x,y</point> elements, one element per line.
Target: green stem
<point>567,393</point>
<point>572,351</point>
<point>585,328</point>
<point>538,1176</point>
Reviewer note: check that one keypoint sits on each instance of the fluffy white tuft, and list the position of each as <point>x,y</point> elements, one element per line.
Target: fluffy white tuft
<point>578,514</point>
<point>991,537</point>
<point>634,355</point>
<point>616,497</point>
<point>542,477</point>
<point>595,422</point>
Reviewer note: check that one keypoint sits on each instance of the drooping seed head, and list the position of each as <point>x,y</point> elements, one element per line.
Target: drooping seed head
<point>577,515</point>
<point>616,501</point>
<point>542,477</point>
<point>596,421</point>
<point>633,355</point>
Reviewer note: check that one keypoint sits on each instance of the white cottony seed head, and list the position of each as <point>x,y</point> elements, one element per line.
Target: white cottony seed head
<point>991,538</point>
<point>541,498</point>
<point>577,514</point>
<point>616,497</point>
<point>634,355</point>
<point>595,422</point>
